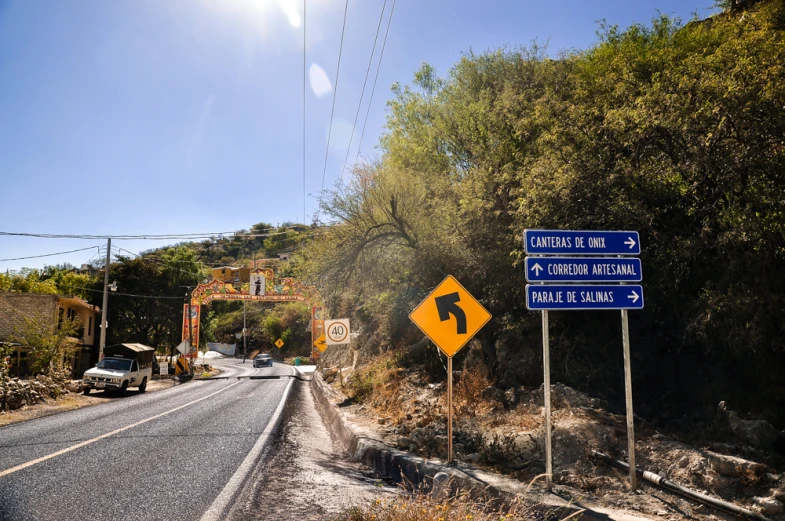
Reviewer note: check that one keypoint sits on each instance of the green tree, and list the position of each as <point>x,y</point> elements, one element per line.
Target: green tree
<point>673,130</point>
<point>148,306</point>
<point>49,350</point>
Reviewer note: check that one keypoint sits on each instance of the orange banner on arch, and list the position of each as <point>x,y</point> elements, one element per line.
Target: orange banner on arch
<point>194,324</point>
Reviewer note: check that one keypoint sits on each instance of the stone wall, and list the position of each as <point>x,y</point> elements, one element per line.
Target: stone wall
<point>16,393</point>
<point>16,307</point>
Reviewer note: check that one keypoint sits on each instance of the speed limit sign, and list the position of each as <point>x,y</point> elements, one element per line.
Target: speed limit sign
<point>336,331</point>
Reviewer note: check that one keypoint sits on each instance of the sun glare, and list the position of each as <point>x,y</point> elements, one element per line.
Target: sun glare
<point>265,15</point>
<point>290,9</point>
<point>320,82</point>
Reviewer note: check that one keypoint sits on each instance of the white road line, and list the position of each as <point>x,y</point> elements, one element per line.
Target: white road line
<point>218,509</point>
<point>102,436</point>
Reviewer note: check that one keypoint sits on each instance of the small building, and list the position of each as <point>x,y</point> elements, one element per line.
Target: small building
<point>17,309</point>
<point>232,275</point>
<point>88,269</point>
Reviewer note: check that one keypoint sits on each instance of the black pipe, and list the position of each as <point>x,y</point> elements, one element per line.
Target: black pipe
<point>683,491</point>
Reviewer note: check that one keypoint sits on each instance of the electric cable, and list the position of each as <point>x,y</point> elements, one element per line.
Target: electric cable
<point>304,98</point>
<point>373,89</point>
<point>332,112</point>
<point>116,293</point>
<point>120,237</point>
<point>362,93</point>
<point>185,236</point>
<point>49,254</point>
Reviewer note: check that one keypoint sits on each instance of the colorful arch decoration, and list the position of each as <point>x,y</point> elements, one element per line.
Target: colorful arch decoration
<point>262,287</point>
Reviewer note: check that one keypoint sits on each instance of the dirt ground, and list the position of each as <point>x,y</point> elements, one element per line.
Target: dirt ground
<point>504,432</point>
<point>70,401</point>
<point>308,476</point>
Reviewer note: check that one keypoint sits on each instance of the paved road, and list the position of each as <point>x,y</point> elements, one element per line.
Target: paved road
<point>162,455</point>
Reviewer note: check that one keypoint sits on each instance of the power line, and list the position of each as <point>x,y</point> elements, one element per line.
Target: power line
<point>373,89</point>
<point>114,293</point>
<point>49,254</point>
<point>304,87</point>
<point>121,237</point>
<point>332,113</point>
<point>185,236</point>
<point>362,94</point>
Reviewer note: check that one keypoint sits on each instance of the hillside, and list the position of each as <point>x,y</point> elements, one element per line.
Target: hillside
<point>676,131</point>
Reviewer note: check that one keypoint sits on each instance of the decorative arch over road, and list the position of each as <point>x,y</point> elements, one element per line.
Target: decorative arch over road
<point>262,286</point>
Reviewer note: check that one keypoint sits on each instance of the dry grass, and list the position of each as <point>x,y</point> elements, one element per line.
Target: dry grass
<point>379,385</point>
<point>422,507</point>
<point>468,399</point>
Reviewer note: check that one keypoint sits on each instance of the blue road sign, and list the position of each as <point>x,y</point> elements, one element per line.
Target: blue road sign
<point>583,269</point>
<point>568,242</point>
<point>583,297</point>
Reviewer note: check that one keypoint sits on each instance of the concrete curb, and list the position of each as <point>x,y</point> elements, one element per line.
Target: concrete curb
<point>400,467</point>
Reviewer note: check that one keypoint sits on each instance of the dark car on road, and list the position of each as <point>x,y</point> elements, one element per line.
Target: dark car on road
<point>263,360</point>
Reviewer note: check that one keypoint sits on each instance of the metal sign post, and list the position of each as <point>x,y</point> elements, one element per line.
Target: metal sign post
<point>625,335</point>
<point>550,269</point>
<point>546,367</point>
<point>449,410</point>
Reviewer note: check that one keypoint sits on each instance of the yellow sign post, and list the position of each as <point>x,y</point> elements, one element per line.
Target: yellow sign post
<point>450,316</point>
<point>279,343</point>
<point>321,343</point>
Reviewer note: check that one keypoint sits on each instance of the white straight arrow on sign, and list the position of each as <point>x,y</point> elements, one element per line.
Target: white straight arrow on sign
<point>537,269</point>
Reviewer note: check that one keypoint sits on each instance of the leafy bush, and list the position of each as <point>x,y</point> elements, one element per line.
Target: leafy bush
<point>670,129</point>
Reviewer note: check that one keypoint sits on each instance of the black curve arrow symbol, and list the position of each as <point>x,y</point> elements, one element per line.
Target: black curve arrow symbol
<point>447,305</point>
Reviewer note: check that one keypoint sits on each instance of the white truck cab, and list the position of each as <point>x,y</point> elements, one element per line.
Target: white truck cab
<point>128,365</point>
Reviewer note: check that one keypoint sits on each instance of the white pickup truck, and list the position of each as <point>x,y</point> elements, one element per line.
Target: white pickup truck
<point>130,365</point>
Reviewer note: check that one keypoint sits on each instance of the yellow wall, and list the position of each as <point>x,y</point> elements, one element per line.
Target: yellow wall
<point>232,275</point>
<point>88,315</point>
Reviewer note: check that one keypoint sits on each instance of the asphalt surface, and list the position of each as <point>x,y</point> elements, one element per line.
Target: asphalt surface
<point>148,456</point>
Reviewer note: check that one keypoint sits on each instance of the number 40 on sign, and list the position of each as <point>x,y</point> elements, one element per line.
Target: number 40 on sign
<point>337,331</point>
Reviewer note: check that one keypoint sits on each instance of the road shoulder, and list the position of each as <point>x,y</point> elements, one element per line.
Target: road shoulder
<point>306,473</point>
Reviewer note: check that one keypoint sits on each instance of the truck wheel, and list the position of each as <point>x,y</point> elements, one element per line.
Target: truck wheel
<point>124,388</point>
<point>143,386</point>
<point>86,390</point>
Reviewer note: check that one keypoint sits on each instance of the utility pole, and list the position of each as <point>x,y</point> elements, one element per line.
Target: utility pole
<point>102,342</point>
<point>244,349</point>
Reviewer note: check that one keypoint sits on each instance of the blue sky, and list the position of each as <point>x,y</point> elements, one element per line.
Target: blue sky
<point>134,117</point>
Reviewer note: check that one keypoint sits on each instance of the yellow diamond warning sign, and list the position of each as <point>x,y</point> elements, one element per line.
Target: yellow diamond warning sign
<point>279,343</point>
<point>450,316</point>
<point>321,343</point>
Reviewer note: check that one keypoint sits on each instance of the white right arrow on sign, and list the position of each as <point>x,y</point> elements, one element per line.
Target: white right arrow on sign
<point>634,296</point>
<point>630,242</point>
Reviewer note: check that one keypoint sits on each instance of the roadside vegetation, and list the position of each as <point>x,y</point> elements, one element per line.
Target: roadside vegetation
<point>675,130</point>
<point>423,507</point>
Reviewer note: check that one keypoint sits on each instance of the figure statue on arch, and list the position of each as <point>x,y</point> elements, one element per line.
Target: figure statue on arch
<point>257,285</point>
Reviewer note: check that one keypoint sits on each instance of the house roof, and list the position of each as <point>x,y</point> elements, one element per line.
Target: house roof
<point>74,300</point>
<point>139,348</point>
